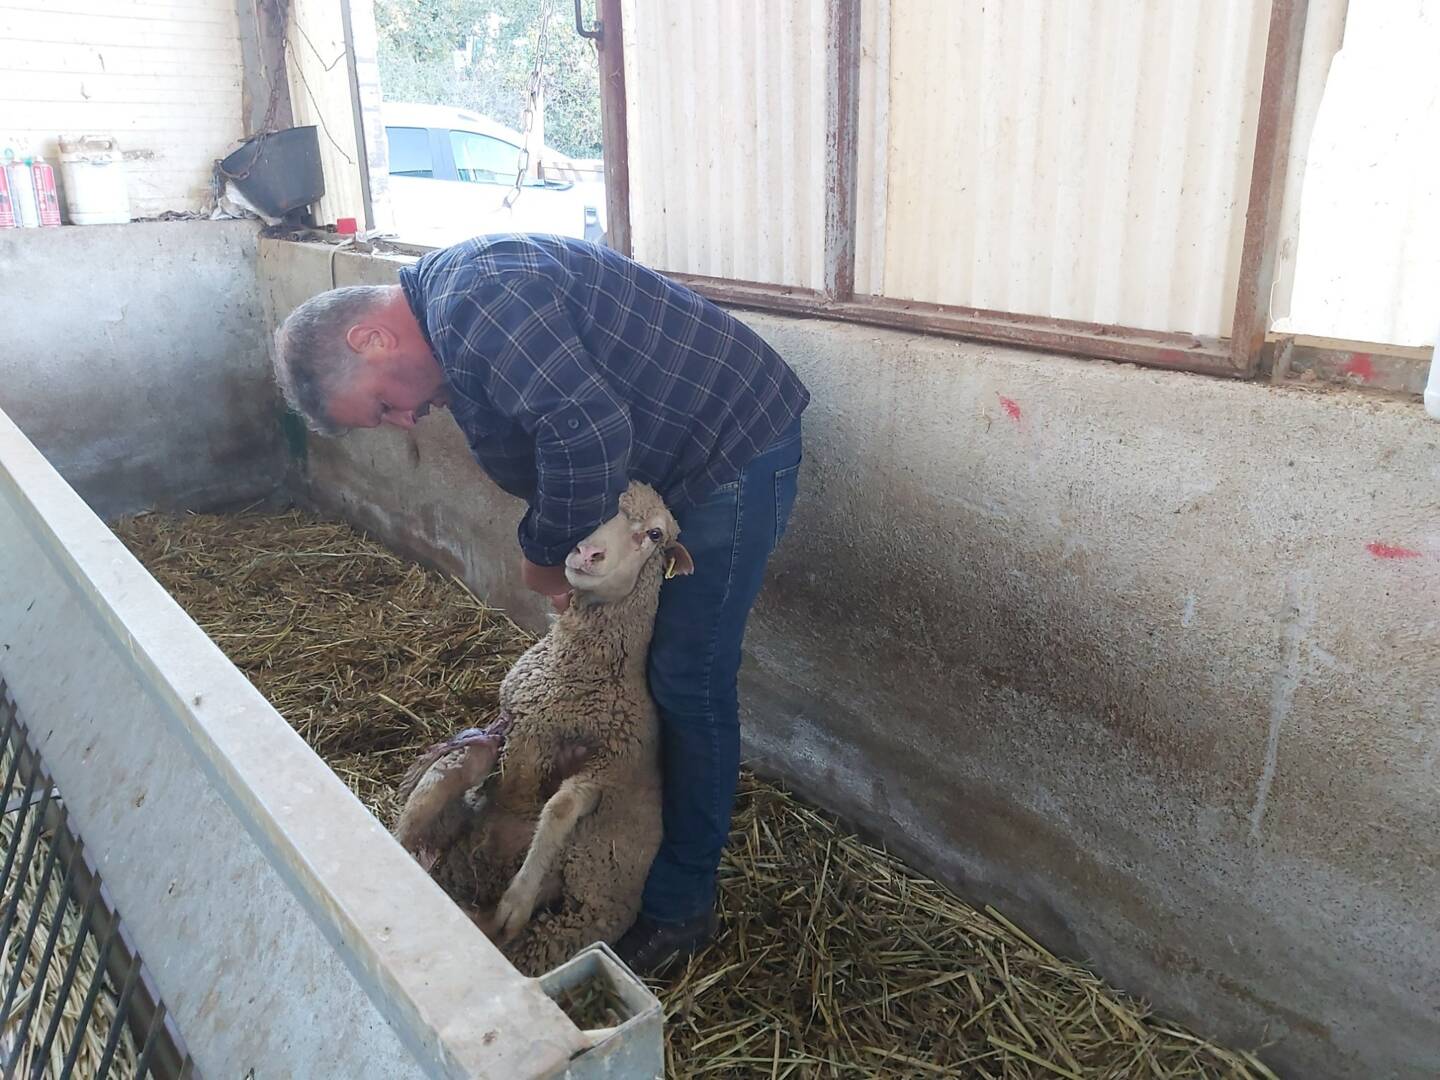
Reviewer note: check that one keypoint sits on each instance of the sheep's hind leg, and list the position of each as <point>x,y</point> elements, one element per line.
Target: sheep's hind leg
<point>473,878</point>
<point>601,899</point>
<point>573,801</point>
<point>553,938</point>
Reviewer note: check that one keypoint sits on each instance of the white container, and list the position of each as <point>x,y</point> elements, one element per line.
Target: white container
<point>93,171</point>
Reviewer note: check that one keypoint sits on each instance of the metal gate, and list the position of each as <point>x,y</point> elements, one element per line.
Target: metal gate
<point>75,999</point>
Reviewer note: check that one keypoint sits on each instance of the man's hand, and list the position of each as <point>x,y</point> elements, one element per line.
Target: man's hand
<point>547,581</point>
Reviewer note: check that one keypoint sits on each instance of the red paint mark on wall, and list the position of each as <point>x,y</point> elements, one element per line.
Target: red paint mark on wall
<point>1360,364</point>
<point>1172,356</point>
<point>1011,407</point>
<point>1389,551</point>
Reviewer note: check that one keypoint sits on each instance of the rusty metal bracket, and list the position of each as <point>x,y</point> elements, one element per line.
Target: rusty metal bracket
<point>1281,359</point>
<point>593,35</point>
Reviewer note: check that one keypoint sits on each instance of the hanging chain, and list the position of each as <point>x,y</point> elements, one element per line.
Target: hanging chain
<point>532,104</point>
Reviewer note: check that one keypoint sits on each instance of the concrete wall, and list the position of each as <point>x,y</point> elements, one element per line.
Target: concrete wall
<point>136,360</point>
<point>418,491</point>
<point>1146,660</point>
<point>1113,650</point>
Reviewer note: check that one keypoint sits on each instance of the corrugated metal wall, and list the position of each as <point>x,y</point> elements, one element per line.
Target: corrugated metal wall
<point>726,114</point>
<point>164,78</point>
<point>1084,161</point>
<point>872,161</point>
<point>1324,29</point>
<point>365,41</point>
<point>320,94</point>
<point>1367,254</point>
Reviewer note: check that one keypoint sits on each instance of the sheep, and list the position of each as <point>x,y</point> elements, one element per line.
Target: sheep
<point>556,806</point>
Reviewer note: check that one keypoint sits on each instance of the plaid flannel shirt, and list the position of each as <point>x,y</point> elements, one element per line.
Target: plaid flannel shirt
<point>573,370</point>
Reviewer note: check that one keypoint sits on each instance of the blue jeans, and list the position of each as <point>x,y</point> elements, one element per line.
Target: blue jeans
<point>694,665</point>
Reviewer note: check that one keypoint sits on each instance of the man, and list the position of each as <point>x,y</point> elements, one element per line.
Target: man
<point>573,370</point>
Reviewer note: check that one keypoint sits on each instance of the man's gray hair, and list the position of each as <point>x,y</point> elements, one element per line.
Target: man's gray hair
<point>312,358</point>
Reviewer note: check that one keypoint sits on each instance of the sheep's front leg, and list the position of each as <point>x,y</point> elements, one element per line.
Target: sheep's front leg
<point>434,813</point>
<point>575,798</point>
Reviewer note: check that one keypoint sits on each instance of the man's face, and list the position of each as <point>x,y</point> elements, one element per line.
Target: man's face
<point>392,386</point>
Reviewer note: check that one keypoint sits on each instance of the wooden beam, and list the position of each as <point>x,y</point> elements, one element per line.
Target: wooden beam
<point>264,87</point>
<point>1174,352</point>
<point>615,134</point>
<point>1267,182</point>
<point>842,127</point>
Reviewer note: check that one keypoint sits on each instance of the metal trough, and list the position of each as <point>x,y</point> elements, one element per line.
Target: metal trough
<point>284,929</point>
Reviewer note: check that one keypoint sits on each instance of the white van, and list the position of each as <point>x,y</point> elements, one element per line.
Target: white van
<point>450,171</point>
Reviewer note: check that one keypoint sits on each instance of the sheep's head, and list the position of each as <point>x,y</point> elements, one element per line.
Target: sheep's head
<point>605,566</point>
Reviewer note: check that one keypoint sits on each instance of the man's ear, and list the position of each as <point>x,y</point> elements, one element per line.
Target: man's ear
<point>363,337</point>
<point>678,560</point>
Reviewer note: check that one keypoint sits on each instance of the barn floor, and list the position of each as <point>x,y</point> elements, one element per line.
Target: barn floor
<point>834,959</point>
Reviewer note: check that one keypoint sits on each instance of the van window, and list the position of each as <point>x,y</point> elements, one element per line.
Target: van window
<point>409,151</point>
<point>481,159</point>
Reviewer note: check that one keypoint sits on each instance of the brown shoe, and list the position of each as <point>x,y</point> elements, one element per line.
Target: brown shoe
<point>649,945</point>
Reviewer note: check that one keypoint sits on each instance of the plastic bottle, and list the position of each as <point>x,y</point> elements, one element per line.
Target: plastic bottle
<point>22,191</point>
<point>47,198</point>
<point>7,205</point>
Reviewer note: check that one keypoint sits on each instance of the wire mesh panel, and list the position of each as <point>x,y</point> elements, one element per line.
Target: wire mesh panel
<point>74,997</point>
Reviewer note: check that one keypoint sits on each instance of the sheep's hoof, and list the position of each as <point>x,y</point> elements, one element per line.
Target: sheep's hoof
<point>513,912</point>
<point>485,920</point>
<point>480,750</point>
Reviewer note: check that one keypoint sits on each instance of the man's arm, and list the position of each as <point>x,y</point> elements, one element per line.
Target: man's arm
<point>548,581</point>
<point>537,373</point>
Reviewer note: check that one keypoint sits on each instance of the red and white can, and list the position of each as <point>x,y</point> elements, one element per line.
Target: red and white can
<point>46,196</point>
<point>7,207</point>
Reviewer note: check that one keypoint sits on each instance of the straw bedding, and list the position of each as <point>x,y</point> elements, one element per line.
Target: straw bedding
<point>834,958</point>
<point>53,906</point>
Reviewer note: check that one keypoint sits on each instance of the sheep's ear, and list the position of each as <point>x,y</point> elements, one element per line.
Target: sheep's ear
<point>679,561</point>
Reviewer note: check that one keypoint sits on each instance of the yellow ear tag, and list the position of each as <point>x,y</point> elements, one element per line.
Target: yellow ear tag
<point>670,568</point>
